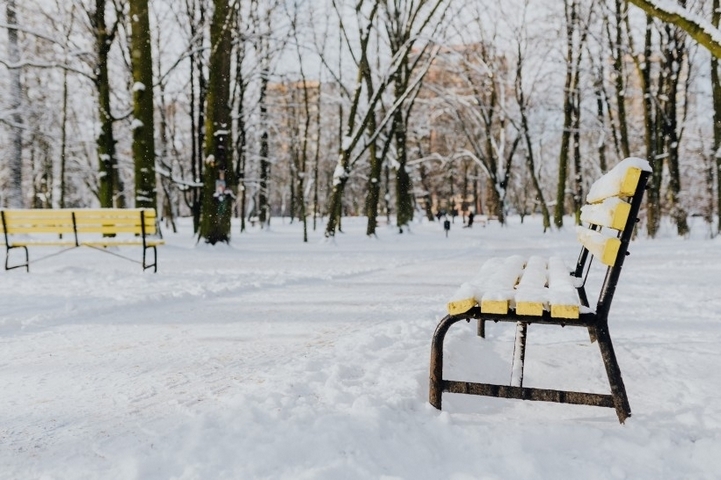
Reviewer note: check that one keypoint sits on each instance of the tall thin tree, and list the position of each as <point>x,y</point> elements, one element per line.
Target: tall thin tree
<point>219,175</point>
<point>141,60</point>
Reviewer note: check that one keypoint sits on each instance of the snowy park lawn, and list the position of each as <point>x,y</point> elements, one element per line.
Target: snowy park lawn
<point>271,358</point>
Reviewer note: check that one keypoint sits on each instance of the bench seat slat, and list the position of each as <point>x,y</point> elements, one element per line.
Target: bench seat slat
<point>531,295</point>
<point>497,298</point>
<point>465,297</point>
<point>540,286</point>
<point>563,296</point>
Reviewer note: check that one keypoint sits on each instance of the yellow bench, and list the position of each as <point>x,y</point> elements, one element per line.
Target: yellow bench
<point>545,291</point>
<point>70,228</point>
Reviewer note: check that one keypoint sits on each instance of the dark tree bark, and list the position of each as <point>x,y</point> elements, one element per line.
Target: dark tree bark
<point>109,185</point>
<point>219,178</point>
<point>141,59</point>
<point>716,91</point>
<point>15,182</point>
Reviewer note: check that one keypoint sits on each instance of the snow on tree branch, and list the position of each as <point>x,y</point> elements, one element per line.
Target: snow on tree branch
<point>697,27</point>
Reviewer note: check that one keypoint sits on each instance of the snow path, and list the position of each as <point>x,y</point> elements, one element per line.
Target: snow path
<point>274,359</point>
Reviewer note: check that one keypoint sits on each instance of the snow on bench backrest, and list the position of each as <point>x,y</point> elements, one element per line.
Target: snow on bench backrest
<point>612,212</point>
<point>608,208</point>
<point>620,181</point>
<point>603,247</point>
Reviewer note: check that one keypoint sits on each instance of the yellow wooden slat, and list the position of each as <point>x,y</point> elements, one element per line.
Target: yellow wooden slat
<point>565,311</point>
<point>112,242</point>
<point>605,249</point>
<point>495,306</point>
<point>529,308</point>
<point>630,182</point>
<point>612,213</point>
<point>26,229</point>
<point>460,306</point>
<point>108,229</point>
<point>109,243</point>
<point>43,243</point>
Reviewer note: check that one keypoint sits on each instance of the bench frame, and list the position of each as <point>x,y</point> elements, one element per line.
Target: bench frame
<point>596,323</point>
<point>76,242</point>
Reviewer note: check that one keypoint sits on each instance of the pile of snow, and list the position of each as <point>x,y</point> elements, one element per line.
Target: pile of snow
<point>272,358</point>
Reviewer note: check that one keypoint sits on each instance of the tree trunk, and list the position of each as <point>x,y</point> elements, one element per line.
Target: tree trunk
<point>653,211</point>
<point>219,177</point>
<point>108,174</point>
<point>559,210</point>
<point>716,91</point>
<point>404,193</point>
<point>263,207</point>
<point>620,79</point>
<point>15,180</point>
<point>143,126</point>
<point>675,58</point>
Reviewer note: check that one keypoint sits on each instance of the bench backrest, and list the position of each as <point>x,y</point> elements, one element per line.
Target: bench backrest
<point>116,220</point>
<point>70,221</point>
<point>611,215</point>
<point>26,221</point>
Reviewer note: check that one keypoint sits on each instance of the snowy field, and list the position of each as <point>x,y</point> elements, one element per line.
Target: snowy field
<point>272,359</point>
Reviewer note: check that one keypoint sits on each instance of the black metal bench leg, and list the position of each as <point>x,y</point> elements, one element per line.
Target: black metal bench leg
<point>155,259</point>
<point>436,378</point>
<point>618,390</point>
<point>481,328</point>
<point>7,259</point>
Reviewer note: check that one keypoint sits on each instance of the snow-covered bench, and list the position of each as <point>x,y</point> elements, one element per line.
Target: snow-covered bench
<point>70,228</point>
<point>545,291</point>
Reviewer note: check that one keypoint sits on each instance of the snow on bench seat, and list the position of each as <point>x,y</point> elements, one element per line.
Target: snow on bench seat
<point>531,292</point>
<point>562,293</point>
<point>498,296</point>
<point>529,286</point>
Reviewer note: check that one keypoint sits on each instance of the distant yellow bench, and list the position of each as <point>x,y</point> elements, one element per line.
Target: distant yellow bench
<point>545,291</point>
<point>70,228</point>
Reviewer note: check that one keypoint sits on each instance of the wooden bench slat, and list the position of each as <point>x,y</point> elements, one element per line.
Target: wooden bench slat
<point>42,243</point>
<point>497,298</point>
<point>110,242</point>
<point>531,297</point>
<point>604,248</point>
<point>465,297</point>
<point>562,295</point>
<point>620,181</point>
<point>612,213</point>
<point>30,229</point>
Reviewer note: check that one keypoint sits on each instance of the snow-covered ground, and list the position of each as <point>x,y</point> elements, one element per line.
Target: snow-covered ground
<point>272,358</point>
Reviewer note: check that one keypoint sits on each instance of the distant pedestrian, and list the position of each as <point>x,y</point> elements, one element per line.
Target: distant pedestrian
<point>447,226</point>
<point>470,219</point>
